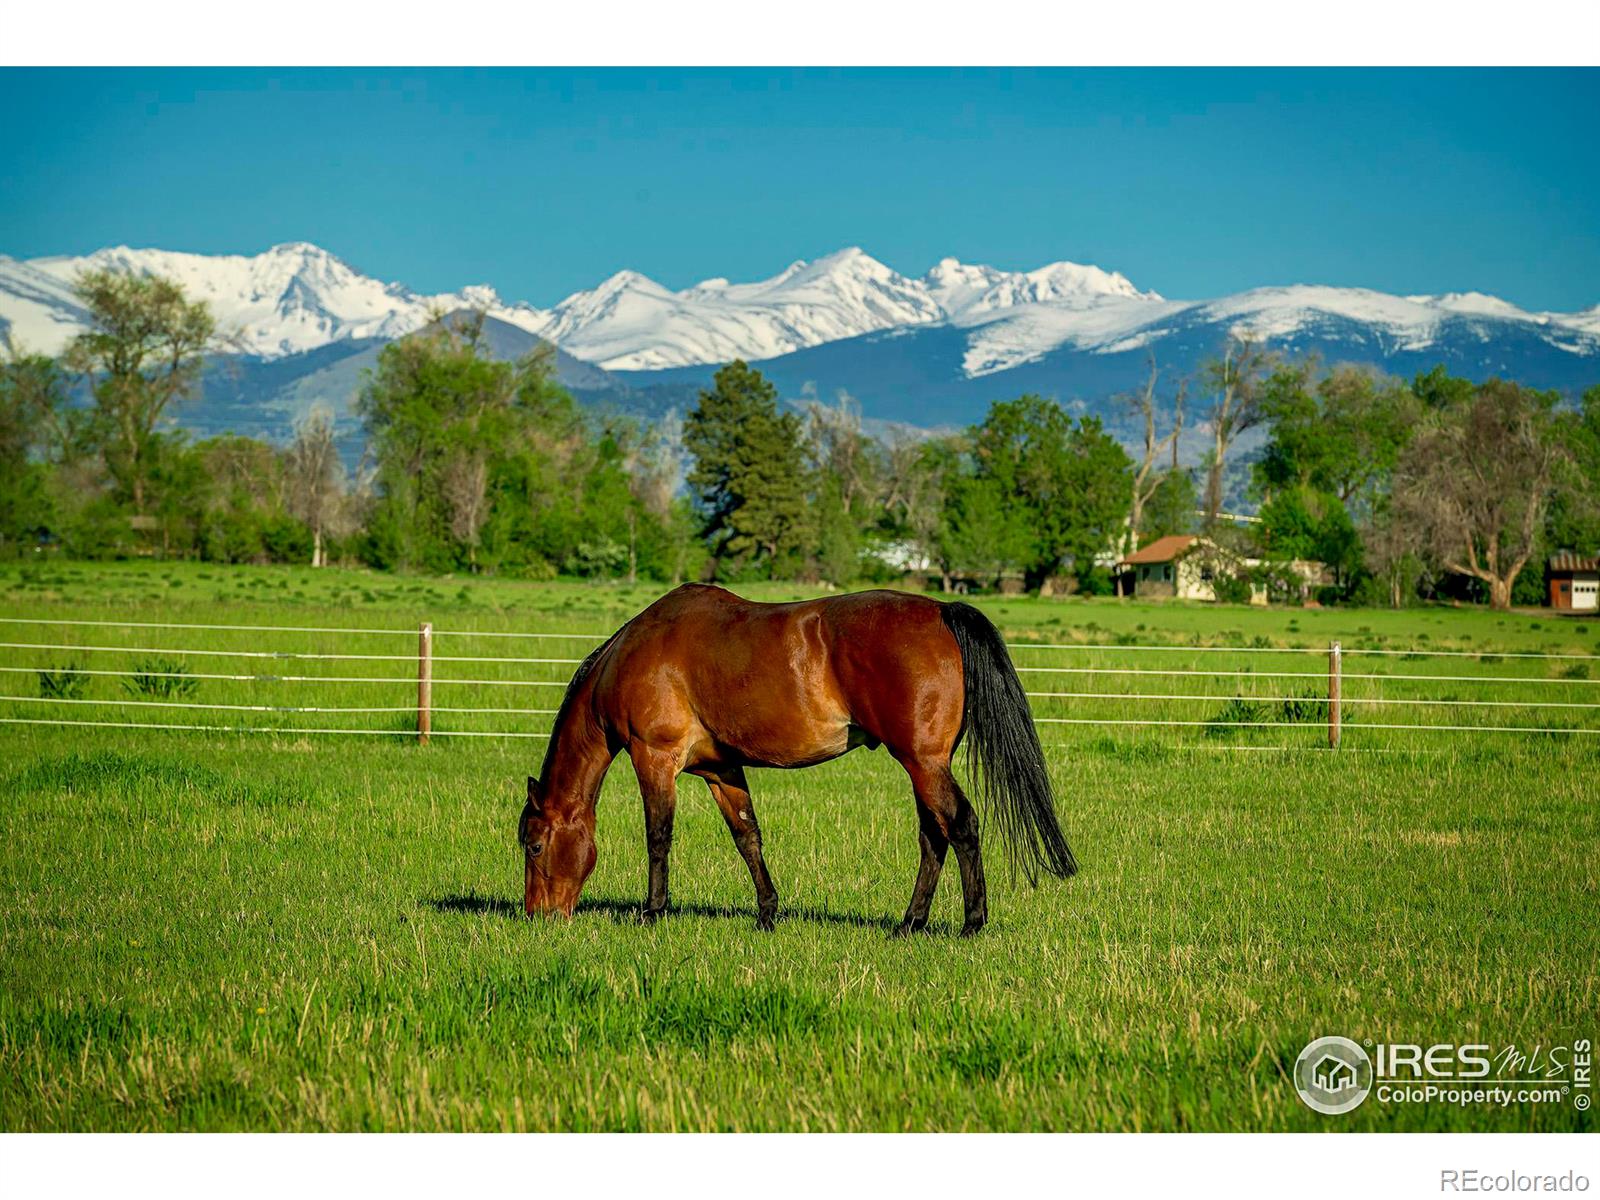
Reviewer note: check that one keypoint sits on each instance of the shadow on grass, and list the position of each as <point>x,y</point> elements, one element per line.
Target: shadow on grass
<point>626,912</point>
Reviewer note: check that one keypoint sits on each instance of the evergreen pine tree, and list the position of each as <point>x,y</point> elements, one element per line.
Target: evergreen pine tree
<point>748,477</point>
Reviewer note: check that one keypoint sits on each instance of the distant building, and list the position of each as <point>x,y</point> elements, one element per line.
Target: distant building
<point>1185,567</point>
<point>1180,566</point>
<point>1575,582</point>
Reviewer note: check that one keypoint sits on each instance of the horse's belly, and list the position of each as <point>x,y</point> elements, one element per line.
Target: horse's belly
<point>801,744</point>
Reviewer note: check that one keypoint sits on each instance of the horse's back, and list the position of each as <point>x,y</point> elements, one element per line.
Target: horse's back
<point>785,684</point>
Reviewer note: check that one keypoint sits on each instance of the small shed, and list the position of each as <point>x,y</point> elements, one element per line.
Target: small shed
<point>1575,582</point>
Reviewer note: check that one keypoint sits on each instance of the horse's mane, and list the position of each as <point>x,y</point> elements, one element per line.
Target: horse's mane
<point>569,698</point>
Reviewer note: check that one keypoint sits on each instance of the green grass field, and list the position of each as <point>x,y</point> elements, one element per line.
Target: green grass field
<point>203,930</point>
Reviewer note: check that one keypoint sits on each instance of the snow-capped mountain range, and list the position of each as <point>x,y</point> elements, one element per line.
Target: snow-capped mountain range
<point>297,297</point>
<point>933,350</point>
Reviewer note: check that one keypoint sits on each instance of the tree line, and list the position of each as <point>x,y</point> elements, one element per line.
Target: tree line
<point>1433,486</point>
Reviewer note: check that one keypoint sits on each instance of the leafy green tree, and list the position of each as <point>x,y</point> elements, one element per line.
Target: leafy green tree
<point>462,439</point>
<point>1171,507</point>
<point>1340,432</point>
<point>238,486</point>
<point>1438,389</point>
<point>1574,520</point>
<point>1301,522</point>
<point>1067,482</point>
<point>32,395</point>
<point>608,515</point>
<point>142,353</point>
<point>838,534</point>
<point>748,473</point>
<point>983,535</point>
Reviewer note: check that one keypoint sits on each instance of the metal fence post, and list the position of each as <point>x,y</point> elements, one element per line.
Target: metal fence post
<point>1335,658</point>
<point>425,682</point>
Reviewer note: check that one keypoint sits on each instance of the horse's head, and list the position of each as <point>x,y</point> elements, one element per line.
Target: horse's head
<point>558,850</point>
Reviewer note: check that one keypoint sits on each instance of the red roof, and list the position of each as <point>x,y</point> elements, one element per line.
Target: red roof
<point>1163,549</point>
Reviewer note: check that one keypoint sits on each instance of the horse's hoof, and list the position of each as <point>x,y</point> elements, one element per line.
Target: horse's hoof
<point>971,928</point>
<point>649,916</point>
<point>766,921</point>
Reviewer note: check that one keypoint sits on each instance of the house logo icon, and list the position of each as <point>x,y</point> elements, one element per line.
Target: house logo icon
<point>1333,1075</point>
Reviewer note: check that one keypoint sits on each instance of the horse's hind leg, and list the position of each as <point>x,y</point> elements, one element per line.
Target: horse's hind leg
<point>947,817</point>
<point>964,837</point>
<point>934,844</point>
<point>658,778</point>
<point>732,794</point>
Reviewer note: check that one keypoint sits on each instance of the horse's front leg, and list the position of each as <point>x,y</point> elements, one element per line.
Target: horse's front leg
<point>658,784</point>
<point>732,794</point>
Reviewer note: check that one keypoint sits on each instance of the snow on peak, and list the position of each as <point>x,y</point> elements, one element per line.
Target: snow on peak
<point>290,298</point>
<point>843,294</point>
<point>481,295</point>
<point>969,291</point>
<point>1473,304</point>
<point>1412,322</point>
<point>956,285</point>
<point>840,295</point>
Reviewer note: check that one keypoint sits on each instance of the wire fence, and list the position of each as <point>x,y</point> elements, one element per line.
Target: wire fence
<point>155,677</point>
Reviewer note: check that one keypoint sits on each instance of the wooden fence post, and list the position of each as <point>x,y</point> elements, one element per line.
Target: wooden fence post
<point>1335,661</point>
<point>425,682</point>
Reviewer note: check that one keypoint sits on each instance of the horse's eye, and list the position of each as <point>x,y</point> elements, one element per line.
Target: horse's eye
<point>535,849</point>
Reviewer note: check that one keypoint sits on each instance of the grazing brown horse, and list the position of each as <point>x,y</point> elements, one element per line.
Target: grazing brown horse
<point>707,683</point>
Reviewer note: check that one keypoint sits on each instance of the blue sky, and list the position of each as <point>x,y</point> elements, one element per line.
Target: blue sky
<point>1192,182</point>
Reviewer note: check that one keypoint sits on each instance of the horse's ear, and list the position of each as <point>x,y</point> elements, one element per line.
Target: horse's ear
<point>535,799</point>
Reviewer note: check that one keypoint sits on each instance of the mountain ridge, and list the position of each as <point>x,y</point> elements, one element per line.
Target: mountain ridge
<point>296,296</point>
<point>931,350</point>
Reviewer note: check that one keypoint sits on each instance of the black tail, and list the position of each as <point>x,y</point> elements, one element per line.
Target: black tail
<point>1004,757</point>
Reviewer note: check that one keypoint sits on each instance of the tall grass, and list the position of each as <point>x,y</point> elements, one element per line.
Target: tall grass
<point>280,931</point>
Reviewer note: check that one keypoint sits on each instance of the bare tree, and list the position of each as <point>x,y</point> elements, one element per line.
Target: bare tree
<point>1477,481</point>
<point>914,491</point>
<point>315,478</point>
<point>839,448</point>
<point>1392,548</point>
<point>1236,377</point>
<point>464,486</point>
<point>245,466</point>
<point>903,454</point>
<point>655,465</point>
<point>1145,478</point>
